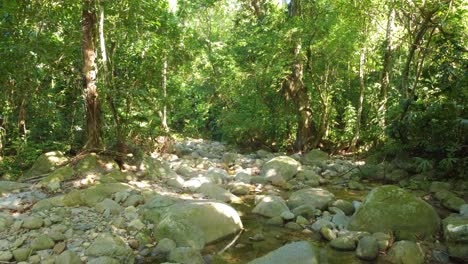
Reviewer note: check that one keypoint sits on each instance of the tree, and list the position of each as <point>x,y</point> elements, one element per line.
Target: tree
<point>93,110</point>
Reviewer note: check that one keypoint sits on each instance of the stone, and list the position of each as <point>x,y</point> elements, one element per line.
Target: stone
<point>21,254</point>
<point>456,236</point>
<point>89,163</point>
<point>33,222</point>
<point>307,211</point>
<point>367,248</point>
<point>216,175</point>
<point>165,245</point>
<point>275,221</point>
<point>406,252</point>
<point>110,206</point>
<point>396,175</point>
<point>42,242</point>
<point>176,182</point>
<point>345,243</point>
<point>392,209</point>
<point>136,224</point>
<point>46,163</point>
<point>104,260</point>
<point>216,192</point>
<point>314,157</point>
<point>372,172</point>
<point>464,210</point>
<point>383,240</point>
<point>186,255</point>
<point>437,186</point>
<point>110,246</point>
<point>4,244</point>
<point>134,200</point>
<point>59,247</point>
<point>453,203</point>
<point>60,175</point>
<point>314,197</point>
<point>93,195</point>
<point>68,257</point>
<point>243,177</point>
<point>296,252</point>
<point>340,220</point>
<point>280,169</point>
<point>317,225</point>
<point>270,206</point>
<point>327,233</point>
<point>302,220</point>
<point>10,186</point>
<point>354,185</point>
<point>194,223</point>
<point>287,215</point>
<point>345,206</point>
<point>444,194</point>
<point>5,256</point>
<point>239,188</point>
<point>293,226</point>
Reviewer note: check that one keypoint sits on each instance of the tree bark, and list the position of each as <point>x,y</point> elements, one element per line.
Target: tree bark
<point>362,89</point>
<point>164,87</point>
<point>93,111</point>
<point>387,64</point>
<point>297,92</point>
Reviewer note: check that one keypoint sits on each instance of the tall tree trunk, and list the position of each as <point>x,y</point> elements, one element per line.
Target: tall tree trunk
<point>387,64</point>
<point>297,92</point>
<point>362,89</point>
<point>163,114</point>
<point>93,111</point>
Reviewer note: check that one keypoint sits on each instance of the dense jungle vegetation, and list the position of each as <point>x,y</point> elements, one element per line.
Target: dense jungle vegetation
<point>364,76</point>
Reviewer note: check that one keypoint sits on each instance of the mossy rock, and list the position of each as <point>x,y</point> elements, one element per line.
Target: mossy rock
<point>392,209</point>
<point>88,163</point>
<point>46,163</point>
<point>93,195</point>
<point>59,175</point>
<point>314,157</point>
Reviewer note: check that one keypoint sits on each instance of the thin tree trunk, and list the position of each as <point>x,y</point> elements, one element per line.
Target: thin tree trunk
<point>164,87</point>
<point>22,119</point>
<point>415,45</point>
<point>93,111</point>
<point>362,89</point>
<point>387,64</point>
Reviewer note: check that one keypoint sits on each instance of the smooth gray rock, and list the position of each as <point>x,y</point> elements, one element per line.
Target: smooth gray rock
<point>315,197</point>
<point>270,206</point>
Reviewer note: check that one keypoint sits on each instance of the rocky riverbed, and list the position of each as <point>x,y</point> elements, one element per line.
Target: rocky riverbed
<point>204,202</point>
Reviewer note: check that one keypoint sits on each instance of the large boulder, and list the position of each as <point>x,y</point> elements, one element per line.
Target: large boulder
<point>270,206</point>
<point>314,157</point>
<point>110,246</point>
<point>208,220</point>
<point>9,186</point>
<point>456,236</point>
<point>392,209</point>
<point>46,163</point>
<point>315,197</point>
<point>280,169</point>
<point>296,252</point>
<point>216,192</point>
<point>93,195</point>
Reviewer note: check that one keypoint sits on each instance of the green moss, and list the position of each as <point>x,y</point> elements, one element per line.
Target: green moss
<point>59,175</point>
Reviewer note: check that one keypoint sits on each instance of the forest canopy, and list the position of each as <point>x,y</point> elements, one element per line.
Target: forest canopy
<point>344,76</point>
